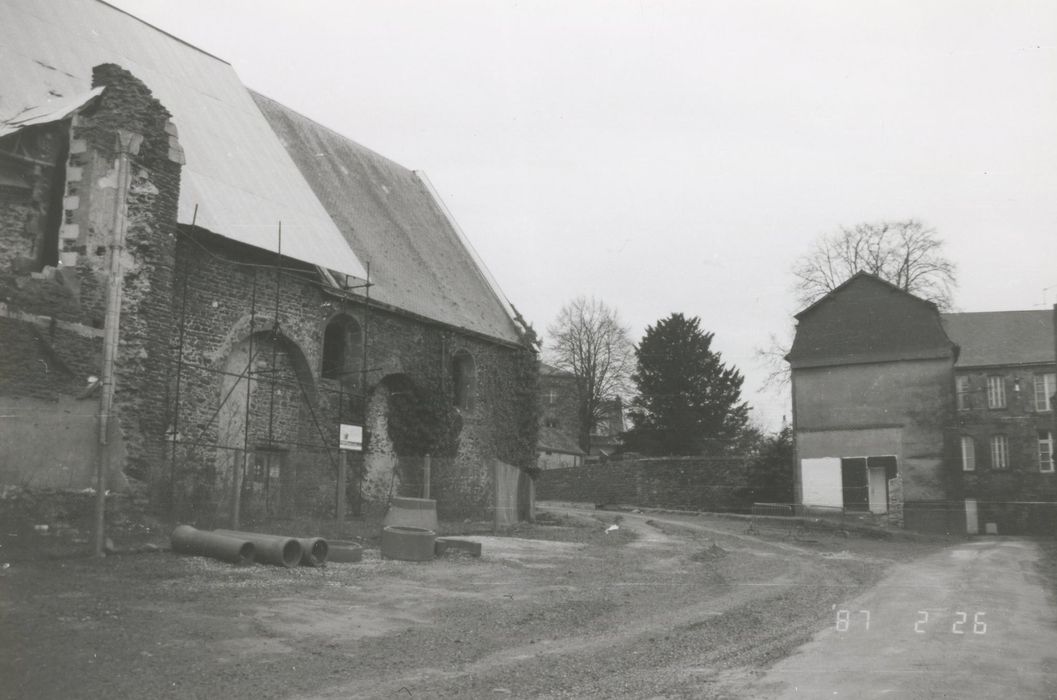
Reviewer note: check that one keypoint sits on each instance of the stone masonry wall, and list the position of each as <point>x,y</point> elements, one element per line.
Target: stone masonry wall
<point>229,288</point>
<point>191,302</point>
<point>691,483</point>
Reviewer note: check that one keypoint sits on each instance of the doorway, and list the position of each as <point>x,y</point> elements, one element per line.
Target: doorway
<point>864,482</point>
<point>878,490</point>
<point>972,524</point>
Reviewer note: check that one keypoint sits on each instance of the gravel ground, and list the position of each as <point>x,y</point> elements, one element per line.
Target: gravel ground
<point>666,605</point>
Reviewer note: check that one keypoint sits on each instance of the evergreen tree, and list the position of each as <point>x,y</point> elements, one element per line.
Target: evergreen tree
<point>689,402</point>
<point>771,469</point>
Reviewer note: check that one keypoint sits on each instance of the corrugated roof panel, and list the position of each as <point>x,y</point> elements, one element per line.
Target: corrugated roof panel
<point>61,109</point>
<point>238,173</point>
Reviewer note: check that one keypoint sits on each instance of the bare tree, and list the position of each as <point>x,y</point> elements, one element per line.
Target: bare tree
<point>771,359</point>
<point>588,340</point>
<point>906,253</point>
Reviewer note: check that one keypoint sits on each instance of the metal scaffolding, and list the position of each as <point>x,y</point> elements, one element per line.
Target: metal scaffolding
<point>190,456</point>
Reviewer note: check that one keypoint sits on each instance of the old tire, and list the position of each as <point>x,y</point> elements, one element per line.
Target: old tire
<point>408,543</point>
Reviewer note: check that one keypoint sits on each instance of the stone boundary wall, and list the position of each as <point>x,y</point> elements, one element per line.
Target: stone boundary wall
<point>690,483</point>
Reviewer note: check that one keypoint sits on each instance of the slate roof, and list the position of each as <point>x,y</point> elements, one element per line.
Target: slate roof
<point>252,163</point>
<point>865,320</point>
<point>994,338</point>
<point>390,216</point>
<point>552,371</point>
<point>237,173</point>
<point>554,440</point>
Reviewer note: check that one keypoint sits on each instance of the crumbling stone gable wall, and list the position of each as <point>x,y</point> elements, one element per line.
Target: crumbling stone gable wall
<point>56,236</point>
<point>146,321</point>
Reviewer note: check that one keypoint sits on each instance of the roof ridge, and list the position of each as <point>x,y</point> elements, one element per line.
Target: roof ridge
<point>162,31</point>
<point>861,274</point>
<point>946,314</point>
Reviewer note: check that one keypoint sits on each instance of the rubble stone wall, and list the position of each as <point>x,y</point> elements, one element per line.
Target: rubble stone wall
<point>690,483</point>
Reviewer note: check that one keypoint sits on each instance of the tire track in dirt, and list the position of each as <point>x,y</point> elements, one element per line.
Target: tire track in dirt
<point>655,550</point>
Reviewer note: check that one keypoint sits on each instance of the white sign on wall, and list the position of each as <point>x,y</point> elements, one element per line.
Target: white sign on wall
<point>350,437</point>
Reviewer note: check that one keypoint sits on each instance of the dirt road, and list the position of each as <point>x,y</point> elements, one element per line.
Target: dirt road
<point>972,621</point>
<point>663,606</point>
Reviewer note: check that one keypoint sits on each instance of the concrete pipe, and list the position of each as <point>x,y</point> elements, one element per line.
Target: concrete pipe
<point>271,549</point>
<point>412,512</point>
<point>314,551</point>
<point>408,543</point>
<point>188,540</point>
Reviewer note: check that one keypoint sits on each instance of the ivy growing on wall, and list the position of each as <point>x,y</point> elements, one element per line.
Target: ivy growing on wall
<point>422,421</point>
<point>518,437</point>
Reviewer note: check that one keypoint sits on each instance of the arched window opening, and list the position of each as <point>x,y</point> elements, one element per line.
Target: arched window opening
<point>463,375</point>
<point>342,348</point>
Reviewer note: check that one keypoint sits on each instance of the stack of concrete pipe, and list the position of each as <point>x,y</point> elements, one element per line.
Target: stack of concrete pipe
<point>283,551</point>
<point>247,547</point>
<point>188,540</point>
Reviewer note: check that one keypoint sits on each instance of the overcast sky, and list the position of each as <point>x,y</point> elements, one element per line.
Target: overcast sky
<point>677,156</point>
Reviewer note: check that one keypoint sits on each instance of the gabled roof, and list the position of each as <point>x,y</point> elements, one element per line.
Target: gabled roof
<point>554,440</point>
<point>868,320</point>
<point>238,175</point>
<point>552,371</point>
<point>995,338</point>
<point>393,221</point>
<point>856,279</point>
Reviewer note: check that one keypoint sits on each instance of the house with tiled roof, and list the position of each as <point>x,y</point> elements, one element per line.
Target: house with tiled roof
<point>559,415</point>
<point>1001,438</point>
<point>199,287</point>
<point>925,420</point>
<point>557,449</point>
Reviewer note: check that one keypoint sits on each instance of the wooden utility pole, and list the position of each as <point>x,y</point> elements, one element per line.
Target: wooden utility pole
<point>127,144</point>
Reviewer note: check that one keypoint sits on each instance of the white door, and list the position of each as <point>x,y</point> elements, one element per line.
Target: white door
<point>972,527</point>
<point>878,490</point>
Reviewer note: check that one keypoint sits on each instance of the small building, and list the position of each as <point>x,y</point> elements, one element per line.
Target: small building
<point>872,391</point>
<point>605,436</point>
<point>558,450</point>
<point>558,444</point>
<point>935,421</point>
